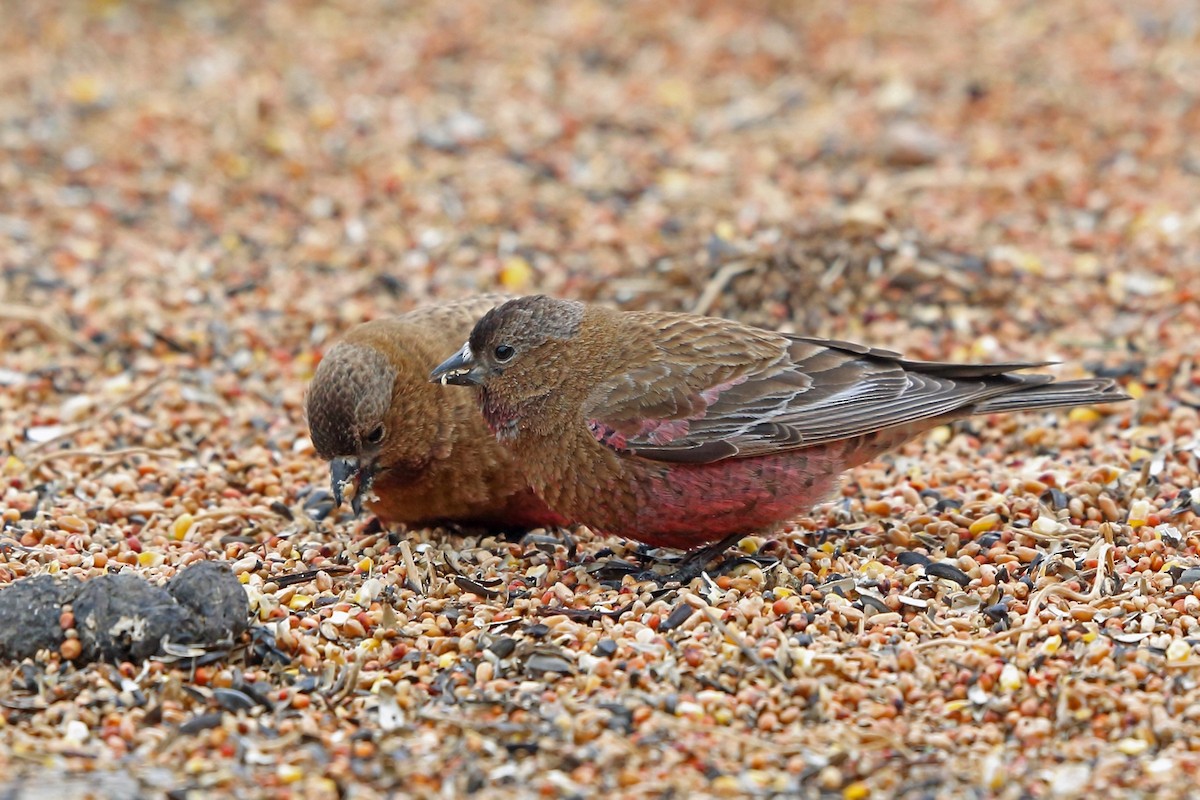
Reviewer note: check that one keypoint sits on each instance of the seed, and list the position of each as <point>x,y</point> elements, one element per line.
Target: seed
<point>829,778</point>
<point>1108,507</point>
<point>181,526</point>
<point>1178,650</point>
<point>1047,526</point>
<point>70,649</point>
<point>72,523</point>
<point>1010,677</point>
<point>1139,513</point>
<point>856,791</point>
<point>984,524</point>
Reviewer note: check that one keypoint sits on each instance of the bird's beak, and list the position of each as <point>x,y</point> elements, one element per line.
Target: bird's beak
<point>459,369</point>
<point>344,471</point>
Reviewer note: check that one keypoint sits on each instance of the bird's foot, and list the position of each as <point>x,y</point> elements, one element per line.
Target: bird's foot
<point>693,564</point>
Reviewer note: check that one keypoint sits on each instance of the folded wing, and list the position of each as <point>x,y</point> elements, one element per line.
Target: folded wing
<point>714,389</point>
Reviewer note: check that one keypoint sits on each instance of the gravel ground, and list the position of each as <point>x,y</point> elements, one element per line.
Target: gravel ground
<point>194,197</point>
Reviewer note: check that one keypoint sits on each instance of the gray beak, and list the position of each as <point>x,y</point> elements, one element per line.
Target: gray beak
<point>343,471</point>
<point>459,369</point>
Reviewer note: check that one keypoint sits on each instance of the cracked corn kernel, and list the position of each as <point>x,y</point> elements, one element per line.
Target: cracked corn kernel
<point>726,785</point>
<point>1178,650</point>
<point>941,434</point>
<point>289,773</point>
<point>1010,678</point>
<point>1139,512</point>
<point>984,524</point>
<point>516,274</point>
<point>1047,526</point>
<point>181,526</point>
<point>856,791</point>
<point>85,90</point>
<point>1083,414</point>
<point>1132,746</point>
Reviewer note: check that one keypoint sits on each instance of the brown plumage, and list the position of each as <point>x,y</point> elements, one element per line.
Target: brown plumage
<point>682,430</point>
<point>421,448</point>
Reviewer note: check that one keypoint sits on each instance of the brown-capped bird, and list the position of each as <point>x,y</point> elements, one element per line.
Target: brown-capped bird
<point>422,449</point>
<point>681,431</point>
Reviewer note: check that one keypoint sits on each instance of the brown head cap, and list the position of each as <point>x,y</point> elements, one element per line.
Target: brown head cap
<point>349,400</point>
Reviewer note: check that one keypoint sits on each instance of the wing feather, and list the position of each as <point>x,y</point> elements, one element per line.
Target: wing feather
<point>712,389</point>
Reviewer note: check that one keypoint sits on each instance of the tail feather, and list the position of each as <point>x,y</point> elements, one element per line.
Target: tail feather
<point>1054,395</point>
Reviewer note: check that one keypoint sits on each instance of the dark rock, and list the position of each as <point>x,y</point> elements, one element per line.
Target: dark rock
<point>123,618</point>
<point>29,611</point>
<point>214,600</point>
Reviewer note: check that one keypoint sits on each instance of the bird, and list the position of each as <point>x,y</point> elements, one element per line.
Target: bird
<point>421,450</point>
<point>690,432</point>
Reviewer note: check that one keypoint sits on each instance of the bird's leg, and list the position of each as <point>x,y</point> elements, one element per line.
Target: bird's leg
<point>691,565</point>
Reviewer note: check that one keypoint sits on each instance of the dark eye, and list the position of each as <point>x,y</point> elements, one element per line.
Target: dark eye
<point>504,353</point>
<point>376,435</point>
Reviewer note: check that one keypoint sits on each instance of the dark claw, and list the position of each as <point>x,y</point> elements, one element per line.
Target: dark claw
<point>691,565</point>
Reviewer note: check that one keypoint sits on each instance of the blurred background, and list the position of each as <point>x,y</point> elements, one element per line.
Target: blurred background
<point>197,196</point>
<point>960,178</point>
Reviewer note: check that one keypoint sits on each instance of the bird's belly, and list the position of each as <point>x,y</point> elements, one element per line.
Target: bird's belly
<point>495,498</point>
<point>689,505</point>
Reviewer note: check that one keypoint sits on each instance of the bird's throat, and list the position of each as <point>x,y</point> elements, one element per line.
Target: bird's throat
<point>502,419</point>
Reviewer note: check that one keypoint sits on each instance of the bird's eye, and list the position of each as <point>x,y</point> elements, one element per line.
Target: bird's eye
<point>504,353</point>
<point>376,435</point>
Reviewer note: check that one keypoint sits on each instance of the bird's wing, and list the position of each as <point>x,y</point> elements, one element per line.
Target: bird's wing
<point>713,389</point>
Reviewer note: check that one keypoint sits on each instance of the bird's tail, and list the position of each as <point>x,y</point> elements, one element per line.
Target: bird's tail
<point>1054,395</point>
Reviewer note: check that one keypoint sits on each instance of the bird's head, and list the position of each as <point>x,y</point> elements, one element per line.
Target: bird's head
<point>518,351</point>
<point>360,416</point>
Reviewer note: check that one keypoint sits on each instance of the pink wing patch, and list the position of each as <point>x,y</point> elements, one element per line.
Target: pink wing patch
<point>657,431</point>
